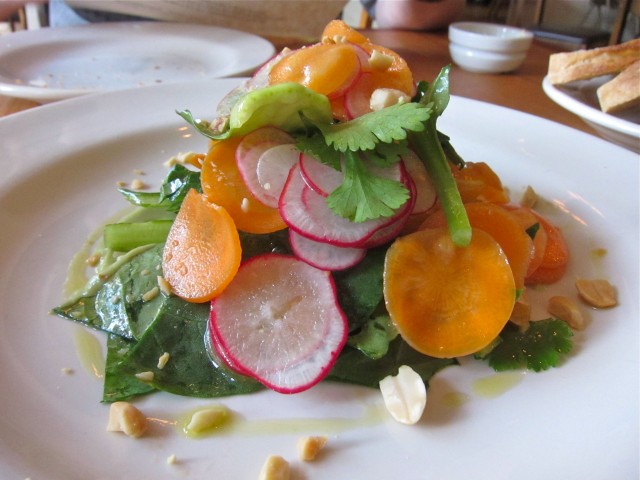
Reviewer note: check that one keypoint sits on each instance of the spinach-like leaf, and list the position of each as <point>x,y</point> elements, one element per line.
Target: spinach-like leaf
<point>360,288</point>
<point>179,330</point>
<point>118,387</point>
<point>355,367</point>
<point>174,188</point>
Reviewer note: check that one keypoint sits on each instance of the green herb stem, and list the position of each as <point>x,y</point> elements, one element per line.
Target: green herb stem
<point>123,237</point>
<point>428,148</point>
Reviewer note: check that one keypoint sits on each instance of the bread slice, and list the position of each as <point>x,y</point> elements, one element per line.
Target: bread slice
<point>566,67</point>
<point>621,92</point>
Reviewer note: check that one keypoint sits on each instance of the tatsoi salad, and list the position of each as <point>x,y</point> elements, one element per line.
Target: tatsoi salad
<point>331,232</point>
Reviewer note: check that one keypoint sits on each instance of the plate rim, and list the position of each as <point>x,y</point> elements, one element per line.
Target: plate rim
<point>263,50</point>
<point>588,112</point>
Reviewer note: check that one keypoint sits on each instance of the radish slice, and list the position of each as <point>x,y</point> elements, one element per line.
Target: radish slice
<point>322,178</point>
<point>273,169</point>
<point>248,155</point>
<point>218,355</point>
<point>307,213</point>
<point>280,321</point>
<point>323,255</point>
<point>425,190</point>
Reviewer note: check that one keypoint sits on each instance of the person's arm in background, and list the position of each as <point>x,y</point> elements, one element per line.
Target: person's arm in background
<point>417,14</point>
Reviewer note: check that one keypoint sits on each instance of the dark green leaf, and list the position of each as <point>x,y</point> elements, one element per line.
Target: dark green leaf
<point>540,347</point>
<point>354,367</point>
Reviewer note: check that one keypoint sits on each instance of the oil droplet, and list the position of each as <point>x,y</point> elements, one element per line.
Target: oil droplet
<point>236,425</point>
<point>89,352</point>
<point>495,385</point>
<point>454,399</point>
<point>206,421</point>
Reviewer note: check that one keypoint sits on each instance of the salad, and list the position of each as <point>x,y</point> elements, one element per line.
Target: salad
<point>330,233</point>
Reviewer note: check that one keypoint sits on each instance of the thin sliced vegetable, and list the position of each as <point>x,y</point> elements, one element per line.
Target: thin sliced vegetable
<point>202,253</point>
<point>556,256</point>
<point>223,185</point>
<point>280,321</point>
<point>503,226</point>
<point>447,301</point>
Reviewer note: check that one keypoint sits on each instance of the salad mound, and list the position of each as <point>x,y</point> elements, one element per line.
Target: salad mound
<point>330,232</point>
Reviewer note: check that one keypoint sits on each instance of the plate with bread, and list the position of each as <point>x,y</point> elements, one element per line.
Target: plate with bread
<point>602,86</point>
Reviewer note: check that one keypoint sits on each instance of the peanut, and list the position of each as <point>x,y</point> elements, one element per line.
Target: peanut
<point>309,447</point>
<point>275,468</point>
<point>124,417</point>
<point>597,293</point>
<point>566,309</point>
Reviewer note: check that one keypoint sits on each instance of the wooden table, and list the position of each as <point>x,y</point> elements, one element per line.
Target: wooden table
<point>426,54</point>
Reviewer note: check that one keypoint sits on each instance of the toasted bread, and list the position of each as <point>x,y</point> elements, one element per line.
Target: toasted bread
<point>621,92</point>
<point>566,67</point>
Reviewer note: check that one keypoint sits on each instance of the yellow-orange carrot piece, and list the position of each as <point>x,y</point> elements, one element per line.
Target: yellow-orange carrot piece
<point>202,252</point>
<point>448,301</point>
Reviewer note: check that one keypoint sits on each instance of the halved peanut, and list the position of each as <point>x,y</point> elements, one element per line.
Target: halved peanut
<point>275,468</point>
<point>125,418</point>
<point>597,293</point>
<point>309,447</point>
<point>566,309</point>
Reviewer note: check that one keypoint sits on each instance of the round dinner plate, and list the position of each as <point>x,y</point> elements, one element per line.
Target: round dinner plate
<point>622,128</point>
<point>575,422</point>
<point>57,63</point>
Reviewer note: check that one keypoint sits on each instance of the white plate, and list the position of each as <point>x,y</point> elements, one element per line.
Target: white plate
<point>622,128</point>
<point>579,421</point>
<point>57,63</point>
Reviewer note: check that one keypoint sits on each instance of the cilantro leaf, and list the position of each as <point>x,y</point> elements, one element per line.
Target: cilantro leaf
<point>316,147</point>
<point>540,347</point>
<point>387,126</point>
<point>363,196</point>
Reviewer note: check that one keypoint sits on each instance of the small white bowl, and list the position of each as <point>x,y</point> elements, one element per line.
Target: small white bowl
<point>488,47</point>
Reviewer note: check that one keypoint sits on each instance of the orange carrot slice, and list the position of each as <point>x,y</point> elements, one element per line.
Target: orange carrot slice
<point>448,301</point>
<point>202,252</point>
<point>556,256</point>
<point>528,220</point>
<point>478,182</point>
<point>326,68</point>
<point>222,184</point>
<point>503,227</point>
<point>339,29</point>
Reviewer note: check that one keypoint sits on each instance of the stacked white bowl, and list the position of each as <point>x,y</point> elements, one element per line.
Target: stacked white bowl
<point>487,47</point>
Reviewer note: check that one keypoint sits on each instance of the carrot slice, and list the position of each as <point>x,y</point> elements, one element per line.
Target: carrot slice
<point>478,182</point>
<point>503,227</point>
<point>339,29</point>
<point>528,220</point>
<point>202,252</point>
<point>555,259</point>
<point>448,301</point>
<point>222,184</point>
<point>326,68</point>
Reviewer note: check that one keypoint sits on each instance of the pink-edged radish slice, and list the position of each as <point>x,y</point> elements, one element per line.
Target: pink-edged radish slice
<point>425,192</point>
<point>280,320</point>
<point>248,155</point>
<point>273,169</point>
<point>357,100</point>
<point>307,213</point>
<point>321,178</point>
<point>218,355</point>
<point>324,255</point>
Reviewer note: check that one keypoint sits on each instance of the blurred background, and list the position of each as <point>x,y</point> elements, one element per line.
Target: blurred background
<point>571,23</point>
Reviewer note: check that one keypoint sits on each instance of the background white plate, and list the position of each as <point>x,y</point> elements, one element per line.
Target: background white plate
<point>56,63</point>
<point>580,421</point>
<point>580,98</point>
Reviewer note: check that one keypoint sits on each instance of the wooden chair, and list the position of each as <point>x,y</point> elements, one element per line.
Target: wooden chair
<point>579,37</point>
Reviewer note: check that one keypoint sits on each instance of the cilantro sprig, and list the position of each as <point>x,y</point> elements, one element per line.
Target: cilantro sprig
<point>540,347</point>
